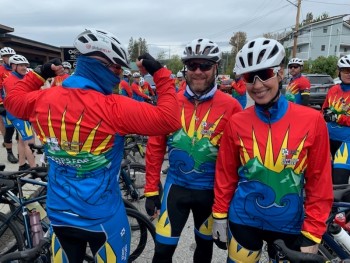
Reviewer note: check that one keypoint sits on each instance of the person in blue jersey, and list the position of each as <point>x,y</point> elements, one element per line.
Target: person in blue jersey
<point>192,152</point>
<point>82,125</point>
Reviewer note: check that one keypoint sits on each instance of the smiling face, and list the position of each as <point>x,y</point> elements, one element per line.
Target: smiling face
<point>345,75</point>
<point>200,74</point>
<point>262,92</point>
<point>294,69</point>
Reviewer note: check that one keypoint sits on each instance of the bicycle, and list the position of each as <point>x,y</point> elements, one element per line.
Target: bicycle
<point>19,246</point>
<point>135,147</point>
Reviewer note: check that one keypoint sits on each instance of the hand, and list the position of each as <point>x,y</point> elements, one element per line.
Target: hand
<point>220,232</point>
<point>307,245</point>
<point>147,63</point>
<point>50,69</point>
<point>152,205</point>
<point>329,115</point>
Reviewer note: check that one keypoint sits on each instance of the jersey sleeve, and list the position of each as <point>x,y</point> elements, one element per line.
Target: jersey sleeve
<point>318,186</point>
<point>135,89</point>
<point>226,177</point>
<point>130,116</point>
<point>239,87</point>
<point>20,101</point>
<point>156,147</point>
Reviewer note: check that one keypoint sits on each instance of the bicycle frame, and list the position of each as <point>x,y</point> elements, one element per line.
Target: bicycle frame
<point>22,206</point>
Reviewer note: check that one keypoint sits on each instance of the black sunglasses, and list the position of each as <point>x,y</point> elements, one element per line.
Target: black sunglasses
<point>296,66</point>
<point>205,66</point>
<point>263,75</point>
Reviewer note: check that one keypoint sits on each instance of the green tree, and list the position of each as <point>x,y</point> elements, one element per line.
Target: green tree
<point>174,63</point>
<point>136,48</point>
<point>325,65</point>
<point>237,41</point>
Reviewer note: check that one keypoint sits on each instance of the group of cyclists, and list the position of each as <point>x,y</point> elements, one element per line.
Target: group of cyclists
<point>247,175</point>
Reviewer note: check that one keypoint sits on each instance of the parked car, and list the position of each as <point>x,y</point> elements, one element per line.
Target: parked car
<point>320,84</point>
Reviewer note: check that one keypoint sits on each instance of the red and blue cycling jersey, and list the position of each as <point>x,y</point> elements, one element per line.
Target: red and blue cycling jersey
<point>264,159</point>
<point>297,87</point>
<point>192,150</point>
<point>82,130</point>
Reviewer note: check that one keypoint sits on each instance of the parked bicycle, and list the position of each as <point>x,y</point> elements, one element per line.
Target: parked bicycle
<point>16,245</point>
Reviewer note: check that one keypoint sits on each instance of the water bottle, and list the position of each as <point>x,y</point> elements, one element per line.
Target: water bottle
<point>35,226</point>
<point>340,235</point>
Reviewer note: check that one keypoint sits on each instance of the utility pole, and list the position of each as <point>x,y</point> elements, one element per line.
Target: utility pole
<point>296,30</point>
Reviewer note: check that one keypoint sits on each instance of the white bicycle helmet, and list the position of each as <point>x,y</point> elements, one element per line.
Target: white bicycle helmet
<point>257,54</point>
<point>126,72</point>
<point>202,48</point>
<point>136,75</point>
<point>7,51</point>
<point>141,81</point>
<point>344,62</point>
<point>66,64</point>
<point>179,74</point>
<point>297,61</point>
<point>102,43</point>
<point>18,59</point>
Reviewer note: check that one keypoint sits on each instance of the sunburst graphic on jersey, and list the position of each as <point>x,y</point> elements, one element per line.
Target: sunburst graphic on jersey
<point>340,104</point>
<point>285,164</point>
<point>292,88</point>
<point>342,154</point>
<point>197,139</point>
<point>77,151</point>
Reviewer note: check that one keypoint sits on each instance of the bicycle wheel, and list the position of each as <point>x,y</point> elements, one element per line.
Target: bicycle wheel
<point>142,239</point>
<point>11,238</point>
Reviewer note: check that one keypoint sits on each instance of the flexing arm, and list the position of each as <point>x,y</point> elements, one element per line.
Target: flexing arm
<point>318,186</point>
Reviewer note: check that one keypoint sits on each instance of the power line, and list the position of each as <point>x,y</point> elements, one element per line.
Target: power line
<point>332,3</point>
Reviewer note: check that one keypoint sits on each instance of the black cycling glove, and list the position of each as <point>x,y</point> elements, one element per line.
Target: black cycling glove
<point>149,63</point>
<point>329,115</point>
<point>45,70</point>
<point>152,204</point>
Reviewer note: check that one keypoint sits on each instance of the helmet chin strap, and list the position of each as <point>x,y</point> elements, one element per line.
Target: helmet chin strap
<point>268,105</point>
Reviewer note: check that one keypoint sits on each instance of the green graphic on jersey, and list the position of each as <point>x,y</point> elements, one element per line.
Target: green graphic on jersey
<point>284,182</point>
<point>201,150</point>
<point>290,97</point>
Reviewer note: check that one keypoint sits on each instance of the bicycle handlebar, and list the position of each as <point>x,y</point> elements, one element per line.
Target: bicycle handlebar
<point>35,171</point>
<point>29,254</point>
<point>296,256</point>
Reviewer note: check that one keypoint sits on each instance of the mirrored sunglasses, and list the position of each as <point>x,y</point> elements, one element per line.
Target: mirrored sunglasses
<point>294,66</point>
<point>262,75</point>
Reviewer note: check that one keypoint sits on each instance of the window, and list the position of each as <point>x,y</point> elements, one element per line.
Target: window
<point>325,29</point>
<point>335,49</point>
<point>345,49</point>
<point>323,47</point>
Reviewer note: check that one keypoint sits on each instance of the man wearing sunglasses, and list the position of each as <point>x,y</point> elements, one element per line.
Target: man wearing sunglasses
<point>298,89</point>
<point>270,155</point>
<point>82,125</point>
<point>192,154</point>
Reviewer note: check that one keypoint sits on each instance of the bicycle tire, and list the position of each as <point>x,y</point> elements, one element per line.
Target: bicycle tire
<point>141,248</point>
<point>11,238</point>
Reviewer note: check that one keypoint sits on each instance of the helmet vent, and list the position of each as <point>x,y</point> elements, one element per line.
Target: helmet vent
<point>274,51</point>
<point>242,62</point>
<point>93,38</point>
<point>250,58</point>
<point>83,39</point>
<point>251,44</point>
<point>266,42</point>
<point>261,55</point>
<point>116,40</point>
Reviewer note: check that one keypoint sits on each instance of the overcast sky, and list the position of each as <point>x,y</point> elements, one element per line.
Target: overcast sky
<point>163,23</point>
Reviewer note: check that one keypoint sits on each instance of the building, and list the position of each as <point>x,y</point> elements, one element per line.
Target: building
<point>35,52</point>
<point>329,37</point>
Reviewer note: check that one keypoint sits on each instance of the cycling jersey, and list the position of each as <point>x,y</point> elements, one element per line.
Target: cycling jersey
<point>239,91</point>
<point>5,71</point>
<point>264,158</point>
<point>125,89</point>
<point>82,130</point>
<point>137,94</point>
<point>297,87</point>
<point>57,81</point>
<point>146,89</point>
<point>24,128</point>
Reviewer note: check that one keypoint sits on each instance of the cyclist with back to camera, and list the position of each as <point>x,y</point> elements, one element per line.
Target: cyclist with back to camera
<point>298,88</point>
<point>82,125</point>
<point>336,111</point>
<point>137,93</point>
<point>146,87</point>
<point>192,154</point>
<point>7,129</point>
<point>19,66</point>
<point>267,160</point>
